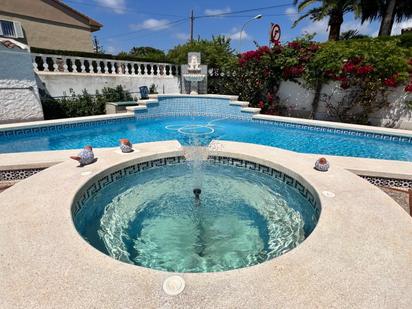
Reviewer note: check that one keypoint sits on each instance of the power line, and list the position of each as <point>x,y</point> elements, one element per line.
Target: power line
<point>245,11</point>
<point>151,33</point>
<point>128,10</point>
<point>250,16</point>
<point>146,28</point>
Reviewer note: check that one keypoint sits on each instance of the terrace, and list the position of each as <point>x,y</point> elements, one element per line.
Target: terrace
<point>293,191</point>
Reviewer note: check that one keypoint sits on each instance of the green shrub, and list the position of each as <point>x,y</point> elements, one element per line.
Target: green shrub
<point>121,56</point>
<point>84,104</point>
<point>366,67</point>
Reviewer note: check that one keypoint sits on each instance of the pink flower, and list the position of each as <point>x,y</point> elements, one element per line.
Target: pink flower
<point>391,81</point>
<point>294,45</point>
<point>261,104</point>
<point>365,69</point>
<point>349,67</point>
<point>408,88</point>
<point>313,47</point>
<point>294,71</point>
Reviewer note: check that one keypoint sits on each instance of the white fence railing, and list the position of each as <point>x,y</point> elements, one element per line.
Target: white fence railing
<point>82,65</point>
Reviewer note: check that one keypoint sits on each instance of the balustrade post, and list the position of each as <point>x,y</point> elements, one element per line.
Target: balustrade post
<point>106,67</point>
<point>65,66</point>
<point>98,66</point>
<point>82,66</point>
<point>45,65</point>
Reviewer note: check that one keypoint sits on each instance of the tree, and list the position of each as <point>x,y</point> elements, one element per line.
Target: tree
<point>216,53</point>
<point>387,11</point>
<point>97,46</point>
<point>145,53</point>
<point>334,9</point>
<point>352,34</point>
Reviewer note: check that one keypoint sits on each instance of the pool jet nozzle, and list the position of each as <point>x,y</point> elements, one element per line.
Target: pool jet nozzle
<point>197,192</point>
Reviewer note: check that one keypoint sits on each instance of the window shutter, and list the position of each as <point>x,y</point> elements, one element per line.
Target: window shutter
<point>18,29</point>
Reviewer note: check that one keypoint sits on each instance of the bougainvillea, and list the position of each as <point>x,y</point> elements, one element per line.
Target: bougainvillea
<point>365,69</point>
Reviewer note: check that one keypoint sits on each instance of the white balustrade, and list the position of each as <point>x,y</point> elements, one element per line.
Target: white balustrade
<point>83,65</point>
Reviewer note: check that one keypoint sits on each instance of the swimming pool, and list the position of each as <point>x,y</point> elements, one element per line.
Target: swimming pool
<point>202,130</point>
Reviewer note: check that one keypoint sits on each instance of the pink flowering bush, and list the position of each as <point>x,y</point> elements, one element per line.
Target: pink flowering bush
<point>364,69</point>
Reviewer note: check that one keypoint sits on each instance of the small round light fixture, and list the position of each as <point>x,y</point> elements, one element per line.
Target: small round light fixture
<point>174,285</point>
<point>86,173</point>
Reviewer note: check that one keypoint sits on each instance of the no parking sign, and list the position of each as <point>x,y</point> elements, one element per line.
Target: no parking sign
<point>275,34</point>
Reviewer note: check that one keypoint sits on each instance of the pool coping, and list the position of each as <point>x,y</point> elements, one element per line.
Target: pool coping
<point>359,166</point>
<point>357,256</point>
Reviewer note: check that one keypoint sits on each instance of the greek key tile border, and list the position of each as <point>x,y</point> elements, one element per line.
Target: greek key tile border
<point>60,127</point>
<point>290,181</point>
<point>337,131</point>
<point>389,182</point>
<point>87,193</point>
<point>19,174</point>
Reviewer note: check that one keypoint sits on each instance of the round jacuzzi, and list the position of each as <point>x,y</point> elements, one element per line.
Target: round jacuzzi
<point>172,215</point>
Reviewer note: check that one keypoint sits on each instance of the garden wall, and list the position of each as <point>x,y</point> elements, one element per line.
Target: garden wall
<point>60,84</point>
<point>299,100</point>
<point>19,96</point>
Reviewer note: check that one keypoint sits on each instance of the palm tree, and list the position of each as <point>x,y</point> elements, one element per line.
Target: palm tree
<point>334,9</point>
<point>387,11</point>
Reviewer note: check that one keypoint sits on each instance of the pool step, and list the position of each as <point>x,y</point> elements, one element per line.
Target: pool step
<point>240,103</point>
<point>252,110</point>
<point>148,102</point>
<point>136,108</point>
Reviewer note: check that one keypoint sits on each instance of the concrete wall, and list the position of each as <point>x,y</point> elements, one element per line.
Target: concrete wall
<point>53,36</point>
<point>19,97</point>
<point>60,84</point>
<point>299,100</point>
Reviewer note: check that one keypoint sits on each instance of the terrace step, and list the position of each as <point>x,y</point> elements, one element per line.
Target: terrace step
<point>252,110</point>
<point>136,108</point>
<point>148,102</point>
<point>240,103</point>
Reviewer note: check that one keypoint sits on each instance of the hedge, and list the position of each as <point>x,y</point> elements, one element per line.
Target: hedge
<point>92,55</point>
<point>84,104</point>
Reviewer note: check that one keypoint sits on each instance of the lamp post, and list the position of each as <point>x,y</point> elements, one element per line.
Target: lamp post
<point>243,28</point>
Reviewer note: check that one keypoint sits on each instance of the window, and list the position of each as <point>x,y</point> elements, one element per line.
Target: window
<point>11,29</point>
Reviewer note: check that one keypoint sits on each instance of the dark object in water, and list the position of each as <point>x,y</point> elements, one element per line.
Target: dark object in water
<point>197,192</point>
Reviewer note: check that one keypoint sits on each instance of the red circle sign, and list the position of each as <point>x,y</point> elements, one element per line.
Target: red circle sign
<point>275,34</point>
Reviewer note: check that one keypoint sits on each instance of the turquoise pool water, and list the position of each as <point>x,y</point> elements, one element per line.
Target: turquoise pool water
<point>242,218</point>
<point>204,129</point>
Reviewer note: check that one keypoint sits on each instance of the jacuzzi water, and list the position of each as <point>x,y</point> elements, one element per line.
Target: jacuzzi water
<point>206,129</point>
<point>152,219</point>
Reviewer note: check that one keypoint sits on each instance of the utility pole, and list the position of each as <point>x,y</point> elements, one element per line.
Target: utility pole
<point>192,20</point>
<point>96,45</point>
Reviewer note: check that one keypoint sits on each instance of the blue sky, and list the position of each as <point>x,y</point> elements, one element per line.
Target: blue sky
<point>129,23</point>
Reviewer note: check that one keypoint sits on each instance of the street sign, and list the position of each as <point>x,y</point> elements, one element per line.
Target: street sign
<point>275,34</point>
